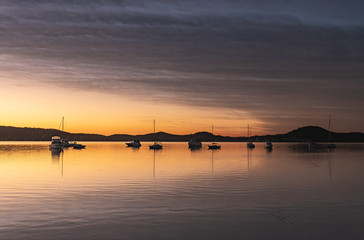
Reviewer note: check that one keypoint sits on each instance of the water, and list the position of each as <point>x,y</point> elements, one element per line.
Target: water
<point>109,191</point>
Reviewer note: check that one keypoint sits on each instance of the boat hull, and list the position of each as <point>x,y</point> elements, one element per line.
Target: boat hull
<point>214,147</point>
<point>133,144</point>
<point>194,144</point>
<point>156,147</point>
<point>331,145</point>
<point>268,145</point>
<point>250,145</point>
<point>79,146</point>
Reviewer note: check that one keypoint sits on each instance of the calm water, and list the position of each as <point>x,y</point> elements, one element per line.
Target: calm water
<point>108,191</point>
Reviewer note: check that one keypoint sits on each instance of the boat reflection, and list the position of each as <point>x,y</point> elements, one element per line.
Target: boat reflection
<point>155,151</point>
<point>194,149</point>
<point>329,162</point>
<point>56,153</point>
<point>154,163</point>
<point>57,157</point>
<point>249,158</point>
<point>212,159</point>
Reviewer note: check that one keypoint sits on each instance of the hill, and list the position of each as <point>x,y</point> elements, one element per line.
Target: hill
<point>303,134</point>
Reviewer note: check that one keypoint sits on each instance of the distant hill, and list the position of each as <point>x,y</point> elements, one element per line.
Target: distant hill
<point>303,134</point>
<point>313,133</point>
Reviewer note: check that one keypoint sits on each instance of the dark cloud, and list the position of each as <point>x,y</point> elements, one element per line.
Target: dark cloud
<point>278,60</point>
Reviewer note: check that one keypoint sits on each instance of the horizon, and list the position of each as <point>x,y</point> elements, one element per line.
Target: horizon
<point>111,66</point>
<point>191,133</point>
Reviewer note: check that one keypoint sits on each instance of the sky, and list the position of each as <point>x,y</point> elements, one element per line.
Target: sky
<point>112,66</point>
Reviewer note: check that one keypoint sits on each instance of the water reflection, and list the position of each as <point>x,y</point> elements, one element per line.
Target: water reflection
<point>56,153</point>
<point>212,159</point>
<point>108,190</point>
<point>329,162</point>
<point>21,147</point>
<point>154,162</point>
<point>249,158</point>
<point>57,158</point>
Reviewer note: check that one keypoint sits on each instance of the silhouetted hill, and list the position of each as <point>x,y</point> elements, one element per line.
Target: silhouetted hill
<point>166,137</point>
<point>41,134</point>
<point>303,134</point>
<point>312,134</point>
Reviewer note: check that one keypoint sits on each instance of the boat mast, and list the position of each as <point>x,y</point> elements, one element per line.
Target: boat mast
<point>63,124</point>
<point>154,130</point>
<point>329,126</point>
<point>212,132</point>
<point>248,132</point>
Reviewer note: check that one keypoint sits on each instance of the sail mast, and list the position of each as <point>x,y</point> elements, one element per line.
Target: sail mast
<point>329,127</point>
<point>248,130</point>
<point>154,132</point>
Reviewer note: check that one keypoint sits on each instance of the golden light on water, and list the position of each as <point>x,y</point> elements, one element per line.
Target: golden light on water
<point>29,162</point>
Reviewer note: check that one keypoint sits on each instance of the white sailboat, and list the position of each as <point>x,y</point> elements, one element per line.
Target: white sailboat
<point>156,145</point>
<point>56,143</point>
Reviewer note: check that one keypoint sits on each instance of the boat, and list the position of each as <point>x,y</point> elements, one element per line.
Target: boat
<point>194,144</point>
<point>56,143</point>
<point>156,145</point>
<point>78,146</point>
<point>268,144</point>
<point>134,144</point>
<point>330,145</point>
<point>312,145</point>
<point>250,144</point>
<point>214,145</point>
<point>67,144</point>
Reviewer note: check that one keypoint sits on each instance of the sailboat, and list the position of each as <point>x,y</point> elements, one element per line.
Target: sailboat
<point>194,144</point>
<point>56,144</point>
<point>250,144</point>
<point>330,145</point>
<point>268,145</point>
<point>65,142</point>
<point>156,145</point>
<point>134,144</point>
<point>214,145</point>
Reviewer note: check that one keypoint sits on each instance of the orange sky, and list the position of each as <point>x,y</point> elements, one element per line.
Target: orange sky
<point>93,112</point>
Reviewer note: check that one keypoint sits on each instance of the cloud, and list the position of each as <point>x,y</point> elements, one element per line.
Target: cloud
<point>275,59</point>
